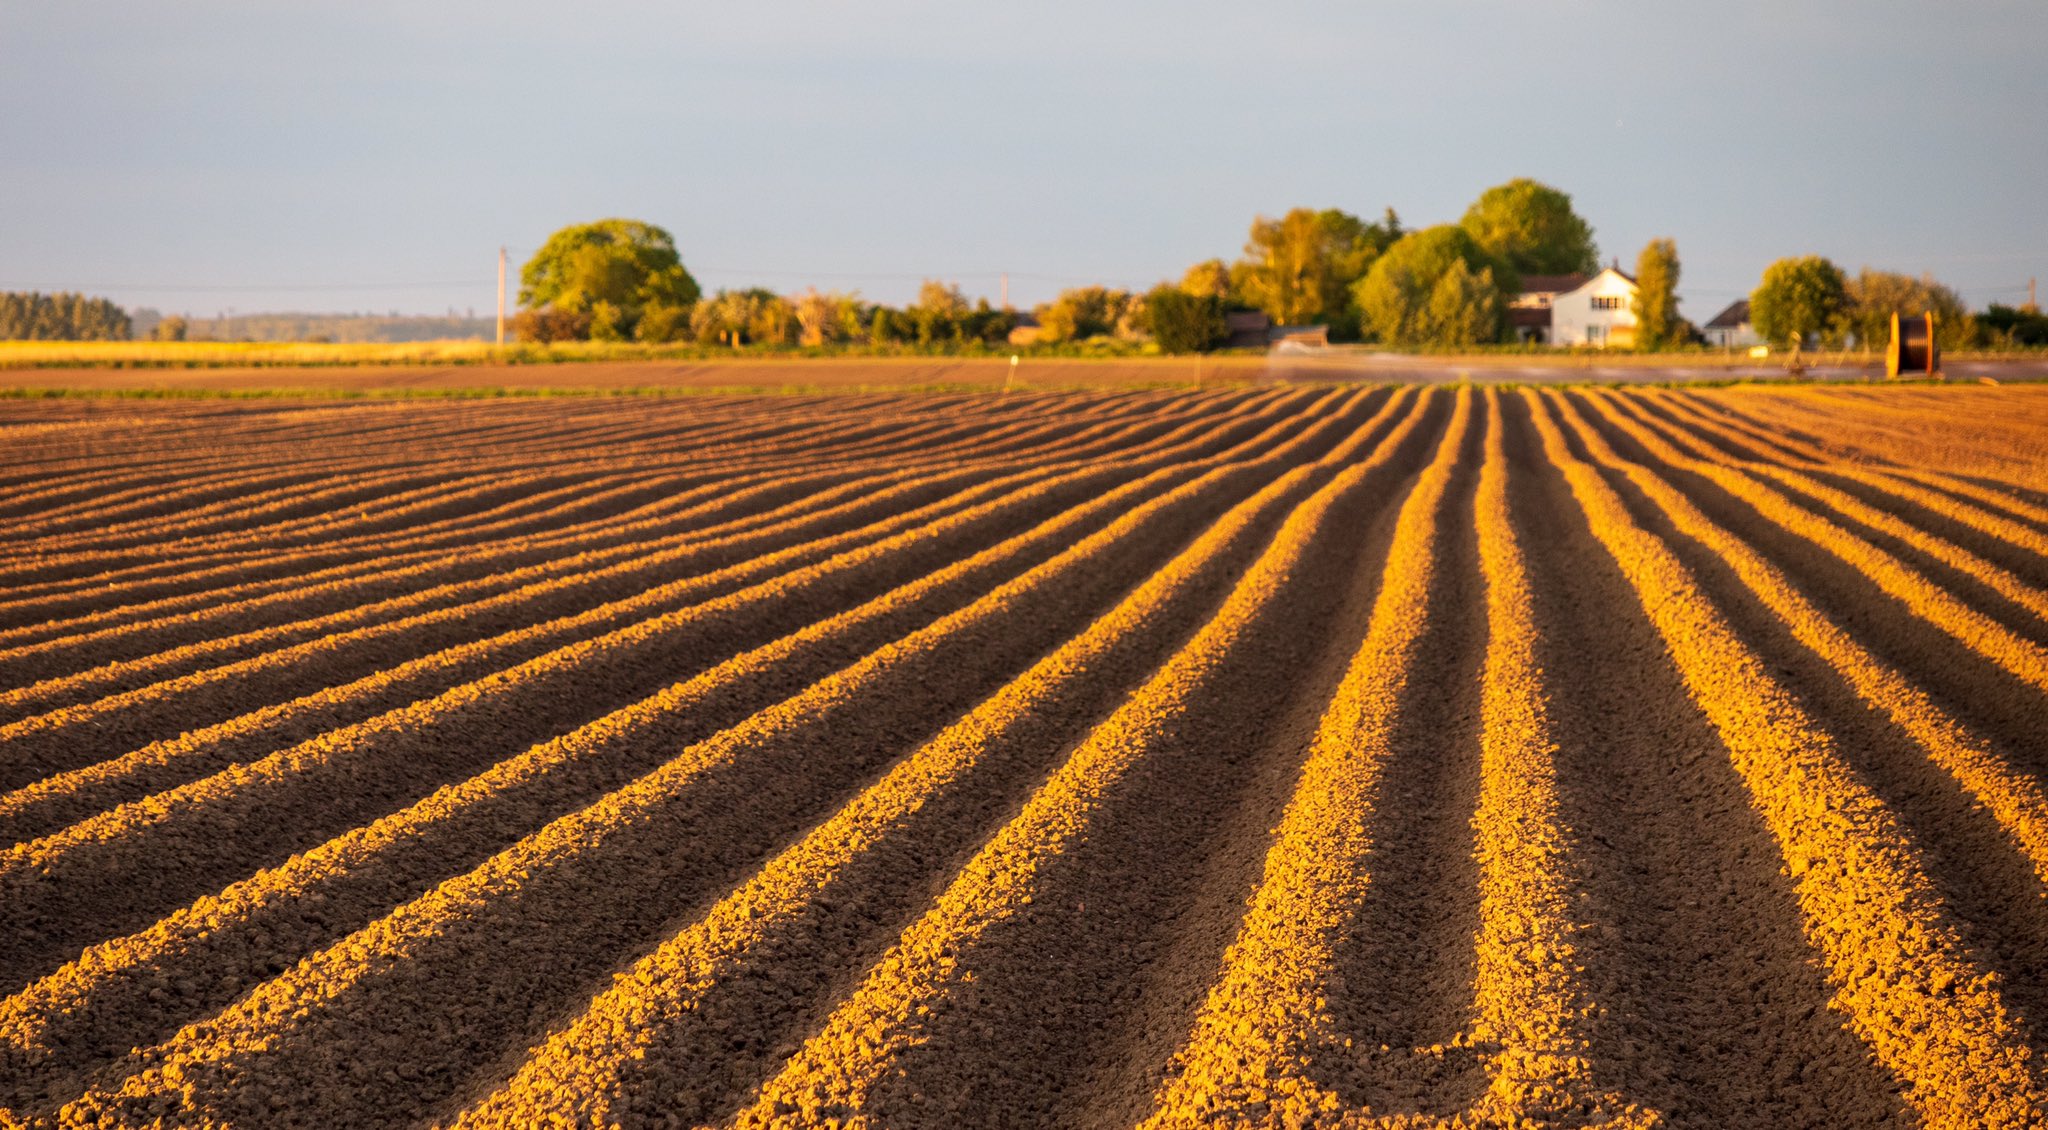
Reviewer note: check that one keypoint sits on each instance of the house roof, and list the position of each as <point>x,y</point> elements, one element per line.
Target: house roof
<point>1529,317</point>
<point>1552,284</point>
<point>1736,314</point>
<point>1246,320</point>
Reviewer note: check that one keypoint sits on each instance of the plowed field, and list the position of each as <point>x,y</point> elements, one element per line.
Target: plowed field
<point>1281,756</point>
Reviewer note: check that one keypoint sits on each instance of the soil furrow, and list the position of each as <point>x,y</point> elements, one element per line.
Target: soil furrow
<point>2021,657</point>
<point>1036,950</point>
<point>1278,754</point>
<point>623,865</point>
<point>1320,898</point>
<point>128,865</point>
<point>1987,587</point>
<point>2014,545</point>
<point>154,711</point>
<point>1901,972</point>
<point>763,958</point>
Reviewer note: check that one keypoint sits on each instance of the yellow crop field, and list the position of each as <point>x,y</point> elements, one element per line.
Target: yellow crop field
<point>1252,755</point>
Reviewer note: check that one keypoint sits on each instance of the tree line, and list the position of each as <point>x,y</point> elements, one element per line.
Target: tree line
<point>1443,286</point>
<point>65,316</point>
<point>1808,299</point>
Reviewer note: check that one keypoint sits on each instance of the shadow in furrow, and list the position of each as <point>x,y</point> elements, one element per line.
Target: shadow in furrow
<point>1075,1005</point>
<point>2009,714</point>
<point>1714,1009</point>
<point>530,941</point>
<point>1405,973</point>
<point>1996,902</point>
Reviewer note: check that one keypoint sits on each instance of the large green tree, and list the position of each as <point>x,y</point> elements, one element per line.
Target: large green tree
<point>1300,268</point>
<point>1437,286</point>
<point>1799,297</point>
<point>1874,296</point>
<point>1657,323</point>
<point>611,271</point>
<point>1531,227</point>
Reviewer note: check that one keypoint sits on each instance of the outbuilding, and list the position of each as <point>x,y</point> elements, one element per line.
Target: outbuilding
<point>1730,329</point>
<point>1529,310</point>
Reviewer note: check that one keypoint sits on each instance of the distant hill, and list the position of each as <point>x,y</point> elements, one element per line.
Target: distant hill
<point>328,327</point>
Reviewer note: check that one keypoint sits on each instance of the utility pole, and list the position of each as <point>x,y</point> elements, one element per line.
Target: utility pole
<point>2032,302</point>
<point>501,297</point>
<point>1006,290</point>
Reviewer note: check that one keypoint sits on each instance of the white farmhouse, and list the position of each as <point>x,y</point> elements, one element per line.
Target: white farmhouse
<point>1600,311</point>
<point>1567,310</point>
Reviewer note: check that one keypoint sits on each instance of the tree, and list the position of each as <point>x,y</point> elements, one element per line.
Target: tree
<point>735,317</point>
<point>1798,298</point>
<point>1084,312</point>
<point>938,312</point>
<point>611,270</point>
<point>772,320</point>
<point>662,322</point>
<point>1208,278</point>
<point>987,324</point>
<point>1435,286</point>
<point>1184,322</point>
<point>1532,229</point>
<point>2008,326</point>
<point>1874,296</point>
<point>608,321</point>
<point>173,328</point>
<point>885,325</point>
<point>823,318</point>
<point>1300,268</point>
<point>1657,322</point>
<point>1464,307</point>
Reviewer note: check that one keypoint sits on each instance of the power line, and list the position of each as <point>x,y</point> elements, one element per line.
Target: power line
<point>899,275</point>
<point>222,287</point>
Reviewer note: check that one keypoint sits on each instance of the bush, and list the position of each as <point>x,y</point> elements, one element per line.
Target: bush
<point>662,322</point>
<point>1186,323</point>
<point>551,325</point>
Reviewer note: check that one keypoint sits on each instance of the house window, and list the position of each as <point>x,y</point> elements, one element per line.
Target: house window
<point>1606,302</point>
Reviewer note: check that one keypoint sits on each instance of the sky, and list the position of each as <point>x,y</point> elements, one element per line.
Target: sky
<point>210,157</point>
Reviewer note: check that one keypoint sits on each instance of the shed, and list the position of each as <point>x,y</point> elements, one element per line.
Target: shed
<point>1248,329</point>
<point>1730,329</point>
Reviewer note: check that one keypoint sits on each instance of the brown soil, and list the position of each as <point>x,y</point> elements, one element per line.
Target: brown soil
<point>928,759</point>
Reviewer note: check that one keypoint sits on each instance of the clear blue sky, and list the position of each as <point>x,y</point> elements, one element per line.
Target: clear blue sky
<point>206,156</point>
